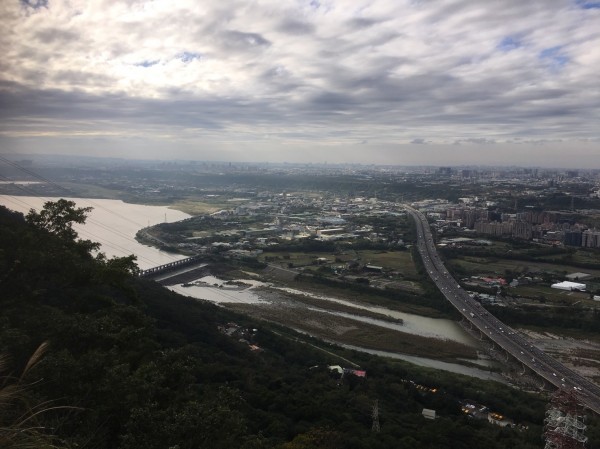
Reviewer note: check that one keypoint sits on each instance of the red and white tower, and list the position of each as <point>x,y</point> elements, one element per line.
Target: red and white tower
<point>565,428</point>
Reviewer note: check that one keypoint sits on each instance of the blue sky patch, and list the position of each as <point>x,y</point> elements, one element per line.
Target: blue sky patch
<point>509,43</point>
<point>586,4</point>
<point>555,57</point>
<point>146,63</point>
<point>35,4</point>
<point>187,56</point>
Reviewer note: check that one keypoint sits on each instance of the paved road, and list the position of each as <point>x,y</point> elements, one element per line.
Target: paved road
<point>508,339</point>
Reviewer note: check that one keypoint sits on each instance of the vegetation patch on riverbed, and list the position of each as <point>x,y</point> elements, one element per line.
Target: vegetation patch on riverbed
<point>365,295</point>
<point>351,332</point>
<point>313,301</point>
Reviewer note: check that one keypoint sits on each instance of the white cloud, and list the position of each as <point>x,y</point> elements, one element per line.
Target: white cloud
<point>326,73</point>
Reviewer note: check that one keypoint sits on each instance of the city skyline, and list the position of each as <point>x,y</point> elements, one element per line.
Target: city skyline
<point>398,83</point>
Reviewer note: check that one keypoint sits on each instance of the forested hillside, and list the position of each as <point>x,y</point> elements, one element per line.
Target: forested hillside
<point>131,365</point>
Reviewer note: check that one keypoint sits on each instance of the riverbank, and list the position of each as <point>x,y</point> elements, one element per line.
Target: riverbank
<point>339,320</point>
<point>348,331</point>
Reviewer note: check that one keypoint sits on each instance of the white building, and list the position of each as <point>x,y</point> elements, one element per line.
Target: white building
<point>568,285</point>
<point>428,413</point>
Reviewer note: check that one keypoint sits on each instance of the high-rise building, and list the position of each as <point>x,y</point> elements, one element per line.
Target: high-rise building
<point>590,238</point>
<point>572,238</point>
<point>522,230</point>
<point>494,228</point>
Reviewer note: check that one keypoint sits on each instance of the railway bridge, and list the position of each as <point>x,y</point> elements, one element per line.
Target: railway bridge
<point>151,273</point>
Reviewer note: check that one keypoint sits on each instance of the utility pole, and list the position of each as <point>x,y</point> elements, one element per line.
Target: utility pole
<point>375,427</point>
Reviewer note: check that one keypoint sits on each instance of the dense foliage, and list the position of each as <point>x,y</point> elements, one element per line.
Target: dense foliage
<point>140,367</point>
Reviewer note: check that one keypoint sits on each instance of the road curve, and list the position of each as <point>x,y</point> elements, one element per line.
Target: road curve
<point>508,339</point>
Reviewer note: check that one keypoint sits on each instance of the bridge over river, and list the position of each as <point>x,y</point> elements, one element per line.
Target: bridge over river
<point>502,335</point>
<point>152,273</point>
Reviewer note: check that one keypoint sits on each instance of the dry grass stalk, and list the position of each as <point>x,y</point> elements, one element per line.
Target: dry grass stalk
<point>19,424</point>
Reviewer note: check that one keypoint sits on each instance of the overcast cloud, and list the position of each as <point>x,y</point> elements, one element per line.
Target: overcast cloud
<point>383,81</point>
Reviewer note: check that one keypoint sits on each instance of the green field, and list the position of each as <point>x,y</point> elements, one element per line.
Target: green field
<point>586,256</point>
<point>297,258</point>
<point>92,191</point>
<point>392,260</point>
<point>371,297</point>
<point>553,295</point>
<point>400,261</point>
<point>482,265</point>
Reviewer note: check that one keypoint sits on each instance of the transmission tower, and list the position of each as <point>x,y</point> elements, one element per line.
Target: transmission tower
<point>564,428</point>
<point>375,427</point>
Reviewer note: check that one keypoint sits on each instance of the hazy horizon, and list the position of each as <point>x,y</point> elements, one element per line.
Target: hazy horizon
<point>58,158</point>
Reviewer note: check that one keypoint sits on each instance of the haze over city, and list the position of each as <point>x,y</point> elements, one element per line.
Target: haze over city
<point>395,82</point>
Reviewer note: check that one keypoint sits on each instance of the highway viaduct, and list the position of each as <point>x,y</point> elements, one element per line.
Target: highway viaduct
<point>502,335</point>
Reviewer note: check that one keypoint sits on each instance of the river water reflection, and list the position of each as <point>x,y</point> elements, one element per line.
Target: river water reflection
<point>113,224</point>
<point>437,364</point>
<point>411,323</point>
<point>216,290</point>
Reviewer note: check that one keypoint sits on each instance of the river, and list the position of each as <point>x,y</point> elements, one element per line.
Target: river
<point>216,290</point>
<point>411,323</point>
<point>113,224</point>
<point>436,364</point>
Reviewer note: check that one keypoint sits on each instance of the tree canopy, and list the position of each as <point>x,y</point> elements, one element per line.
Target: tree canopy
<point>58,217</point>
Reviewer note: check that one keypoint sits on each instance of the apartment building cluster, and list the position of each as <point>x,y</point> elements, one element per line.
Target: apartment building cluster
<point>543,226</point>
<point>589,238</point>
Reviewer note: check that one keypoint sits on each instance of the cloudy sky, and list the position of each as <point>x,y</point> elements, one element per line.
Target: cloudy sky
<point>372,81</point>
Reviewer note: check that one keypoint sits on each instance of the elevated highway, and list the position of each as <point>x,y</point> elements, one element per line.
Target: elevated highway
<point>502,335</point>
